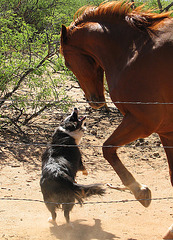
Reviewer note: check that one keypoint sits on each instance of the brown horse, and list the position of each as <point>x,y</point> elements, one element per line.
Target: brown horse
<point>135,50</point>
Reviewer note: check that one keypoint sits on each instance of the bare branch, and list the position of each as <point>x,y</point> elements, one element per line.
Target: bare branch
<point>38,113</point>
<point>133,4</point>
<point>9,94</point>
<point>160,5</point>
<point>15,124</point>
<point>167,8</point>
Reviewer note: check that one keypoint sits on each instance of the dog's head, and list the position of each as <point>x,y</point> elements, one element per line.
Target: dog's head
<point>74,126</point>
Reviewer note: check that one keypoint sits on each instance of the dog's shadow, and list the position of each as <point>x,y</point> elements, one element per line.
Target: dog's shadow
<point>81,231</point>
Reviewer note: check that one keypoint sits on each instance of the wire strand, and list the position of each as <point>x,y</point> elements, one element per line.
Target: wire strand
<point>85,203</point>
<point>2,144</point>
<point>106,102</point>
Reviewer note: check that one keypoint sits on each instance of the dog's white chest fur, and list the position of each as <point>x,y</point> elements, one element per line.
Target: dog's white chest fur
<point>77,134</point>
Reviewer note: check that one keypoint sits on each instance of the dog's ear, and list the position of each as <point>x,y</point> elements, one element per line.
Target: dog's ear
<point>63,34</point>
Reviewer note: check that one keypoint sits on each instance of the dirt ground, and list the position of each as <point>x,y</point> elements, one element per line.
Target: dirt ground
<point>23,216</point>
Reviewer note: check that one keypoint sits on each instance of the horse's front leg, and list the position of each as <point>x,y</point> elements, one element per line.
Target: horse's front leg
<point>128,131</point>
<point>167,141</point>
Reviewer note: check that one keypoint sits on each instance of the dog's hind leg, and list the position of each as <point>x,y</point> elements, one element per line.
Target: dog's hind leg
<point>67,208</point>
<point>67,215</point>
<point>52,219</point>
<point>51,208</point>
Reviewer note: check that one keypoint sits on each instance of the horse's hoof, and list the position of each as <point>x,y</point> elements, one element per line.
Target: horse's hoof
<point>169,234</point>
<point>143,195</point>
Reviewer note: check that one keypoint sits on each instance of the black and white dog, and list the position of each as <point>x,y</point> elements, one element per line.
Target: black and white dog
<point>60,163</point>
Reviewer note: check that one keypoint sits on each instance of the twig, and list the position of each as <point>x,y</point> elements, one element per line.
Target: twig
<point>9,94</point>
<point>160,5</point>
<point>38,113</point>
<point>15,124</point>
<point>133,4</point>
<point>167,8</point>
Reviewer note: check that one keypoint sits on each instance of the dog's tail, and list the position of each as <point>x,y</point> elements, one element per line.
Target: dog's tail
<point>84,191</point>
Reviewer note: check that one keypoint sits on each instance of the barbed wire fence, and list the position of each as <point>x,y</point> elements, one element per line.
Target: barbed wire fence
<point>45,144</point>
<point>85,203</point>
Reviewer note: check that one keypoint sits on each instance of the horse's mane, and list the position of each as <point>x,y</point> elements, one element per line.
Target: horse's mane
<point>144,20</point>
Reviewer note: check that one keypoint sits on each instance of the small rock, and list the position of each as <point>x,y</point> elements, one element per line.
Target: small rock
<point>156,155</point>
<point>94,132</point>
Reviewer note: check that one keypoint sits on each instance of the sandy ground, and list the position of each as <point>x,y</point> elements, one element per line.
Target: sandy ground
<point>107,217</point>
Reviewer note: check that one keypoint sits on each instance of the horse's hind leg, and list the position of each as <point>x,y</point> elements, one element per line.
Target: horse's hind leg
<point>167,141</point>
<point>128,131</point>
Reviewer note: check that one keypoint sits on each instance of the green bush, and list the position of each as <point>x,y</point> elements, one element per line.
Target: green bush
<point>29,46</point>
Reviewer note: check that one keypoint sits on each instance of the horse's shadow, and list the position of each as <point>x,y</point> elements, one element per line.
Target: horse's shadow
<point>81,231</point>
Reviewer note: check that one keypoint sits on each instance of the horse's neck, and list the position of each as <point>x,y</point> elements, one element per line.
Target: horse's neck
<point>118,46</point>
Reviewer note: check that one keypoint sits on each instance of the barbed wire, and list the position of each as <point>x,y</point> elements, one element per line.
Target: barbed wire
<point>43,144</point>
<point>82,102</point>
<point>81,146</point>
<point>86,203</point>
